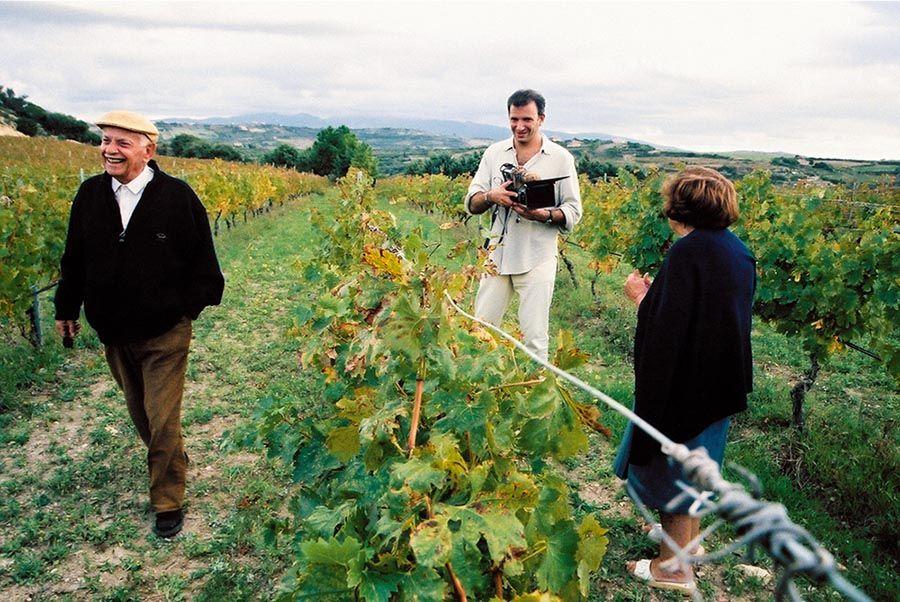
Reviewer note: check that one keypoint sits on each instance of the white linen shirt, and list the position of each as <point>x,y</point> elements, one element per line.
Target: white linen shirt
<point>128,195</point>
<point>526,244</point>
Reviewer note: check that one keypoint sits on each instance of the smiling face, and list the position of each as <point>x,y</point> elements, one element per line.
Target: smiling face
<point>525,122</point>
<point>125,153</point>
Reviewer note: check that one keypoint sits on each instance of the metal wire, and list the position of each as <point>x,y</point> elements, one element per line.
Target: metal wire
<point>759,523</point>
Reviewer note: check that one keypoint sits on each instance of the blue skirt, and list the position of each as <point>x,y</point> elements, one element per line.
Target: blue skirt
<point>654,482</point>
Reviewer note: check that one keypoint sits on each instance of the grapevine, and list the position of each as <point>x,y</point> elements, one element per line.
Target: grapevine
<point>39,178</point>
<point>429,472</point>
<point>827,269</point>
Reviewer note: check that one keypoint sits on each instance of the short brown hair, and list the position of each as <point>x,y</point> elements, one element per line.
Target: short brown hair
<point>700,197</point>
<point>521,98</point>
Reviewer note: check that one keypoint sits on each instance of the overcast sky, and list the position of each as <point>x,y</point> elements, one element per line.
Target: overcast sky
<point>819,79</point>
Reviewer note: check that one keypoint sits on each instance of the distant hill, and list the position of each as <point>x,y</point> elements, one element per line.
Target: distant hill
<point>394,147</point>
<point>398,142</point>
<point>474,133</point>
<point>18,114</point>
<point>259,136</point>
<point>397,148</point>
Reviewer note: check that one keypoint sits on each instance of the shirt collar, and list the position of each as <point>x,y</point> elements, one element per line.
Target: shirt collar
<point>137,185</point>
<point>545,148</point>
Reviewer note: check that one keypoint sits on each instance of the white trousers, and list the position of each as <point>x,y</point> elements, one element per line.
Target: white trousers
<point>535,290</point>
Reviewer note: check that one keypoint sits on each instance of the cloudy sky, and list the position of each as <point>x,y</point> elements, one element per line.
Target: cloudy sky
<point>819,79</point>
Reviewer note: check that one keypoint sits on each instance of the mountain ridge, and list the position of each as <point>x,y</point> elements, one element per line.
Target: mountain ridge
<point>471,130</point>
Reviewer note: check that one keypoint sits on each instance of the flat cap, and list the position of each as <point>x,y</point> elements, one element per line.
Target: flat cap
<point>127,120</point>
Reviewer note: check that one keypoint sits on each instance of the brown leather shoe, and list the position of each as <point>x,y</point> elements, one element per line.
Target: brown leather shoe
<point>168,524</point>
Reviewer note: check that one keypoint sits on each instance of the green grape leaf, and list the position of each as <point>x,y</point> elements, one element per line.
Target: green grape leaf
<point>469,565</point>
<point>557,567</point>
<point>431,542</point>
<point>422,585</point>
<point>467,416</point>
<point>378,587</point>
<point>324,520</point>
<point>477,477</point>
<point>417,474</point>
<point>541,401</point>
<point>331,551</point>
<point>592,543</point>
<point>536,596</point>
<point>502,531</point>
<point>552,508</point>
<point>312,461</point>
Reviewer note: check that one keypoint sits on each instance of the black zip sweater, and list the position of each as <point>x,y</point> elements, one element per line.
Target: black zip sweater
<point>137,283</point>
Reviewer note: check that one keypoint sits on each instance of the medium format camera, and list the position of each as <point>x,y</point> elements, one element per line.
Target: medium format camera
<point>513,174</point>
<point>530,191</point>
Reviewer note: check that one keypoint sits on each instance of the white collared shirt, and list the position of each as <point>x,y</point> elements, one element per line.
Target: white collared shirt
<point>128,195</point>
<point>526,243</point>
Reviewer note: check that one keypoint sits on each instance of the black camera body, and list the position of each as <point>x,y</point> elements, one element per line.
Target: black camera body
<point>530,191</point>
<point>513,174</point>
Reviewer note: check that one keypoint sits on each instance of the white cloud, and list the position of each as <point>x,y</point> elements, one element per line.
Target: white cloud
<point>812,78</point>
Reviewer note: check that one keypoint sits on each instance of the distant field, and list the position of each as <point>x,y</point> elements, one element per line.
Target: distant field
<point>396,148</point>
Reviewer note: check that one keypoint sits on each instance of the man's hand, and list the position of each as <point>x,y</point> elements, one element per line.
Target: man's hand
<point>636,286</point>
<point>500,195</point>
<point>528,176</point>
<point>68,328</point>
<point>535,215</point>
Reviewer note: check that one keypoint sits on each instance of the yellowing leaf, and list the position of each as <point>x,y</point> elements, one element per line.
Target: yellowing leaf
<point>431,542</point>
<point>384,262</point>
<point>835,346</point>
<point>592,543</point>
<point>484,335</point>
<point>343,442</point>
<point>567,355</point>
<point>536,596</point>
<point>605,265</point>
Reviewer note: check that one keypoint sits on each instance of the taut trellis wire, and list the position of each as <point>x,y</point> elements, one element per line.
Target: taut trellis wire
<point>759,523</point>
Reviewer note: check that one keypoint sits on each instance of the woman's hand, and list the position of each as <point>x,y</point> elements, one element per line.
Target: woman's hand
<point>636,286</point>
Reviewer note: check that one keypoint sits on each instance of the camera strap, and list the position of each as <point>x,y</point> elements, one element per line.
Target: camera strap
<point>487,241</point>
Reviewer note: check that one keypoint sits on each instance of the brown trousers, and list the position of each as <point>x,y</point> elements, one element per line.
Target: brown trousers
<point>151,374</point>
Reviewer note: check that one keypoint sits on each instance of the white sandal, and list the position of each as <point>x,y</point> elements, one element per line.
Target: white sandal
<point>642,571</point>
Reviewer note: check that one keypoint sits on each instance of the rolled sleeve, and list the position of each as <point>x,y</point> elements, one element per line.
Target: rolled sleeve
<point>570,197</point>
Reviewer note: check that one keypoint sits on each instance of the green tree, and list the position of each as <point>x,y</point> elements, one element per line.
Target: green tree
<point>445,163</point>
<point>28,126</point>
<point>364,159</point>
<point>334,151</point>
<point>182,144</point>
<point>33,120</point>
<point>186,145</point>
<point>285,155</point>
<point>596,170</point>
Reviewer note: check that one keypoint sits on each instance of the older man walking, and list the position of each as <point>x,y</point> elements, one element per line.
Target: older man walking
<point>140,257</point>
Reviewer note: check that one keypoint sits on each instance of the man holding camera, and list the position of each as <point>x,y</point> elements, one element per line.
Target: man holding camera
<point>139,255</point>
<point>524,239</point>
